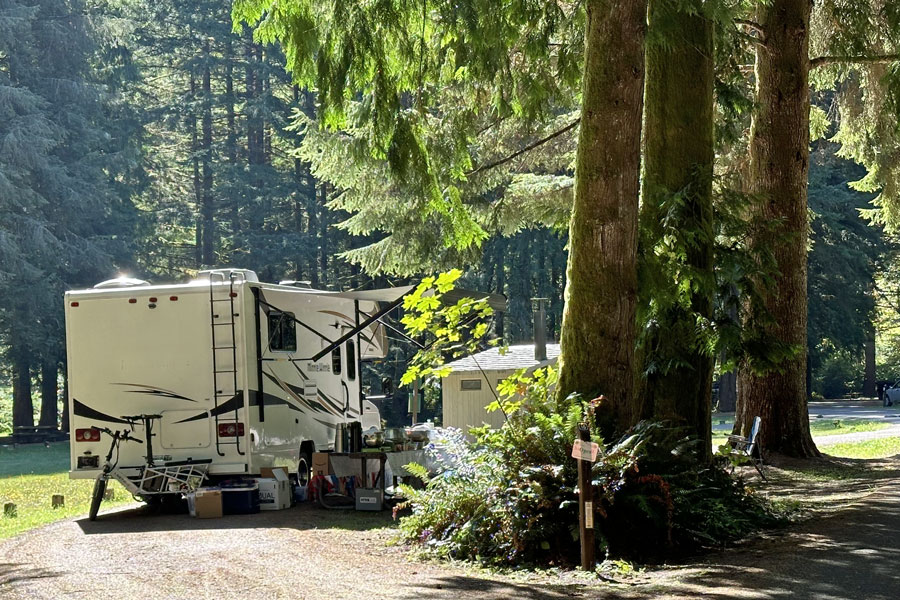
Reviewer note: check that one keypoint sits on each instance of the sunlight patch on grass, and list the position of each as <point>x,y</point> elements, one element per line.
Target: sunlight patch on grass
<point>826,427</point>
<point>31,474</point>
<point>32,496</point>
<point>877,448</point>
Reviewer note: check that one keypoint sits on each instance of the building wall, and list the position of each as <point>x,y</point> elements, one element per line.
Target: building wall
<point>465,409</point>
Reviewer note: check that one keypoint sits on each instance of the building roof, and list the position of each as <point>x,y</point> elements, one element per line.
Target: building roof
<point>520,356</point>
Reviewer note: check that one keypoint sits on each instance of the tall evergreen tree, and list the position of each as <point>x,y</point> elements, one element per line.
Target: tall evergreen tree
<point>677,216</point>
<point>779,167</point>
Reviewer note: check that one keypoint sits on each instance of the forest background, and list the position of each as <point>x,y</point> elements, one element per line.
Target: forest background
<point>155,139</point>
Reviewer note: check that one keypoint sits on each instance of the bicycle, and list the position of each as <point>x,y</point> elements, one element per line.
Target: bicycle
<point>100,484</point>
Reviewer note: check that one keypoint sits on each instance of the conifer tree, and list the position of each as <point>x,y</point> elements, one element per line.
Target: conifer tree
<point>514,63</point>
<point>677,216</point>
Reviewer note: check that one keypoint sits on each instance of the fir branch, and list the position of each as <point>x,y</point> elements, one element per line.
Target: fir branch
<point>824,61</point>
<point>524,150</point>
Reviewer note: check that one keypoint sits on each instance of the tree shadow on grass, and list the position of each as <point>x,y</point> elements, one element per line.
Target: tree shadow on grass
<point>304,516</point>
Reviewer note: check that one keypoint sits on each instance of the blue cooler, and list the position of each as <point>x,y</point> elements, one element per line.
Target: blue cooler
<point>240,498</point>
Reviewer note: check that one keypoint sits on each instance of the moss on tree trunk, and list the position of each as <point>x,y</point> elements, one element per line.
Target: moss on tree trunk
<point>779,165</point>
<point>678,161</point>
<point>598,328</point>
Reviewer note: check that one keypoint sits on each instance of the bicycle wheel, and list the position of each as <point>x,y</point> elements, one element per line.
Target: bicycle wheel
<point>99,490</point>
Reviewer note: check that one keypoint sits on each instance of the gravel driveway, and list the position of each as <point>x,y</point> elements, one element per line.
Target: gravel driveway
<point>304,552</point>
<point>310,553</point>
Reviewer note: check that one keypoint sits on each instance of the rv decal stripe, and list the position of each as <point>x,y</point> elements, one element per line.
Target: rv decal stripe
<point>326,423</point>
<point>83,410</point>
<point>297,394</point>
<point>271,400</point>
<point>154,391</point>
<point>236,402</point>
<point>328,400</point>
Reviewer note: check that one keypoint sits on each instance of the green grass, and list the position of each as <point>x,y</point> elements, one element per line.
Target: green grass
<point>878,448</point>
<point>826,427</point>
<point>31,474</point>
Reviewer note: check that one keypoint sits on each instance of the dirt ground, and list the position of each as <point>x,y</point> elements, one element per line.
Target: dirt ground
<point>847,549</point>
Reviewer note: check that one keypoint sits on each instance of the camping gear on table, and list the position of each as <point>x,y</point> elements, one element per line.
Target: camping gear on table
<point>395,437</point>
<point>373,438</point>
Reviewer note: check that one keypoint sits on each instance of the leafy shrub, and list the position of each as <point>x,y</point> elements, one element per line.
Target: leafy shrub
<point>511,497</point>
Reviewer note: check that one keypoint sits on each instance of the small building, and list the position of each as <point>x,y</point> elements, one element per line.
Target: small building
<point>471,386</point>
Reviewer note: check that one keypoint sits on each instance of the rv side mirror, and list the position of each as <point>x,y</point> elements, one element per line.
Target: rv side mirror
<point>387,386</point>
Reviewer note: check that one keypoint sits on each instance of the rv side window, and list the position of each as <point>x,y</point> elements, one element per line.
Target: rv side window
<point>351,361</point>
<point>336,361</point>
<point>469,385</point>
<point>282,332</point>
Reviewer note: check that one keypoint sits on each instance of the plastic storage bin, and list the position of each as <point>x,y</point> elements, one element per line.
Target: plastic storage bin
<point>240,499</point>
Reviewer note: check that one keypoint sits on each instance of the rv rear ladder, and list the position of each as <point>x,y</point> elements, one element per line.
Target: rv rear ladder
<point>221,392</point>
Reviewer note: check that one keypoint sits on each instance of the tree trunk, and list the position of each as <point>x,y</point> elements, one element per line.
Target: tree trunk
<point>49,394</point>
<point>500,269</point>
<point>23,409</point>
<point>64,421</point>
<point>323,236</point>
<point>195,165</point>
<point>869,385</point>
<point>678,160</point>
<point>231,139</point>
<point>779,165</point>
<point>728,392</point>
<point>206,208</point>
<point>598,322</point>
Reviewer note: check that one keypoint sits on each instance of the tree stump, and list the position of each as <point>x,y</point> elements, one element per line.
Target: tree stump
<point>58,501</point>
<point>9,510</point>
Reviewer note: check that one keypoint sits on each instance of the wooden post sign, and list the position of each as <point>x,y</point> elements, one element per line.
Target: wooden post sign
<point>585,452</point>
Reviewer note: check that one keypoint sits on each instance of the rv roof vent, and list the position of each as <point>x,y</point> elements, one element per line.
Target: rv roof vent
<point>225,274</point>
<point>121,282</point>
<point>306,285</point>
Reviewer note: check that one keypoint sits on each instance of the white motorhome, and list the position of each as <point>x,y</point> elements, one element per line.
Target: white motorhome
<point>242,374</point>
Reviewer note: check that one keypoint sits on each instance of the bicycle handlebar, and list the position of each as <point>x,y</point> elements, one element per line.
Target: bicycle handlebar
<point>119,435</point>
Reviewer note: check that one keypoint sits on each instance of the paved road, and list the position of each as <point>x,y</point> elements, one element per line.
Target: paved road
<point>834,409</point>
<point>854,409</point>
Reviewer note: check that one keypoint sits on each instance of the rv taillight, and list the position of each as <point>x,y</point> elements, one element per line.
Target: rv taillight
<point>132,301</point>
<point>173,298</point>
<point>73,304</point>
<point>231,429</point>
<point>87,435</point>
<point>152,299</point>
<point>233,294</point>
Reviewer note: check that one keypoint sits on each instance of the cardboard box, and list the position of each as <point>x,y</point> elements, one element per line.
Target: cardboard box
<point>369,499</point>
<point>279,473</point>
<point>274,494</point>
<point>207,504</point>
<point>320,464</point>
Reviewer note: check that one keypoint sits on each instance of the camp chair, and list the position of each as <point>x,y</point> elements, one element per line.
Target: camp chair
<point>749,447</point>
